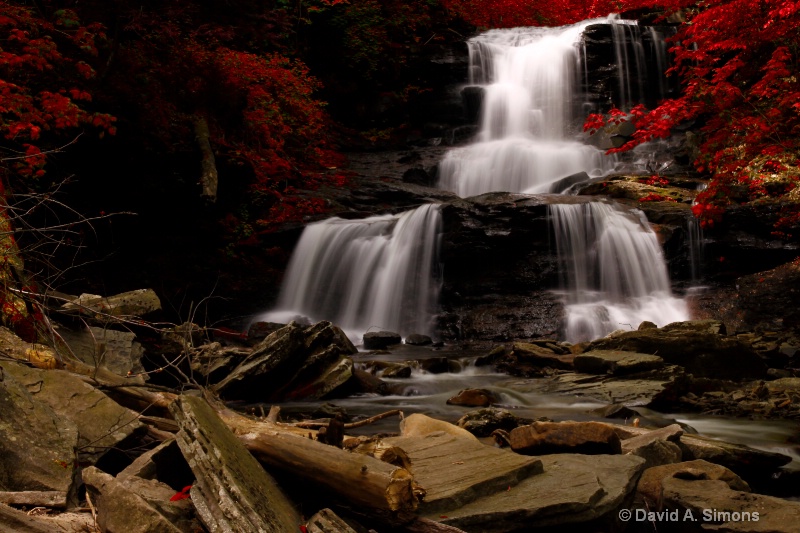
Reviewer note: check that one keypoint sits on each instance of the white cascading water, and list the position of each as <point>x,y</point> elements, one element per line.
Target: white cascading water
<point>378,273</point>
<point>526,142</point>
<point>615,274</point>
<point>614,271</point>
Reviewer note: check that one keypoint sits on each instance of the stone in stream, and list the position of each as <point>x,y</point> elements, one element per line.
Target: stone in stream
<point>378,340</point>
<point>415,339</point>
<point>419,425</point>
<point>542,438</point>
<point>657,447</point>
<point>473,398</point>
<point>574,490</point>
<point>483,422</point>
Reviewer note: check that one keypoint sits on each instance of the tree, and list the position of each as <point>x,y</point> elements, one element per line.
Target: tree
<point>738,65</point>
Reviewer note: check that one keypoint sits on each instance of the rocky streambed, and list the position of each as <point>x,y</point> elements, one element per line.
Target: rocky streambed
<point>190,429</point>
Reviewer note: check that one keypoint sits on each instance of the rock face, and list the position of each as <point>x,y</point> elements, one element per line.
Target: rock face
<point>497,247</point>
<point>293,362</point>
<point>37,445</point>
<point>771,296</point>
<point>483,422</point>
<point>591,438</point>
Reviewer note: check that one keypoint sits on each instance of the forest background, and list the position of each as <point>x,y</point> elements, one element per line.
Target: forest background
<point>161,141</point>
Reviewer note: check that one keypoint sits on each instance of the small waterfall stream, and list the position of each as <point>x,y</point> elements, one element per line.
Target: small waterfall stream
<point>379,272</point>
<point>614,270</point>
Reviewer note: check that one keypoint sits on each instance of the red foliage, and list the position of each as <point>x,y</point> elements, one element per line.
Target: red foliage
<point>655,197</point>
<point>738,64</point>
<point>511,13</point>
<point>43,85</point>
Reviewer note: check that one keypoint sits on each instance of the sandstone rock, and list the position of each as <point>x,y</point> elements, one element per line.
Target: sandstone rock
<point>418,425</point>
<point>575,492</point>
<point>378,340</point>
<point>483,422</point>
<point>616,362</point>
<point>102,423</point>
<point>657,453</point>
<point>670,433</point>
<point>535,355</point>
<point>650,485</point>
<point>37,445</point>
<point>722,508</point>
<point>454,471</point>
<point>474,398</point>
<point>434,365</point>
<point>542,438</point>
<point>771,295</point>
<point>400,370</point>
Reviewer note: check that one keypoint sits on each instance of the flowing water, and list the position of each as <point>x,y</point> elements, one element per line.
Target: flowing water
<point>377,273</point>
<point>614,274</point>
<point>531,78</point>
<point>614,271</point>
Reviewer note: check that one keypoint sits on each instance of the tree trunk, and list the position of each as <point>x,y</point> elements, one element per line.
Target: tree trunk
<point>208,168</point>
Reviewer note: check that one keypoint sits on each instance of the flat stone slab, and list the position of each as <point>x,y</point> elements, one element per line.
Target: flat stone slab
<point>455,471</point>
<point>641,390</point>
<point>573,489</point>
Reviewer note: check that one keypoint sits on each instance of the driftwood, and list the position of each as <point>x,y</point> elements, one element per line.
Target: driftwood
<point>364,482</point>
<point>326,521</point>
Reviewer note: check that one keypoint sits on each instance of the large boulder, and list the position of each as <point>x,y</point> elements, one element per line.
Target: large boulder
<point>293,362</point>
<point>771,295</point>
<point>692,345</point>
<point>37,445</point>
<point>101,422</point>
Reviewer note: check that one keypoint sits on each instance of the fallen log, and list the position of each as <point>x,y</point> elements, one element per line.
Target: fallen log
<point>377,488</point>
<point>231,492</point>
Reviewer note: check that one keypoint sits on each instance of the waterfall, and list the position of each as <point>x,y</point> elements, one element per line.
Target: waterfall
<point>614,271</point>
<point>380,272</point>
<point>527,140</point>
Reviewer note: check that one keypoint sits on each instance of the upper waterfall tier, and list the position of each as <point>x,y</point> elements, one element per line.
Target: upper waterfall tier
<point>534,84</point>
